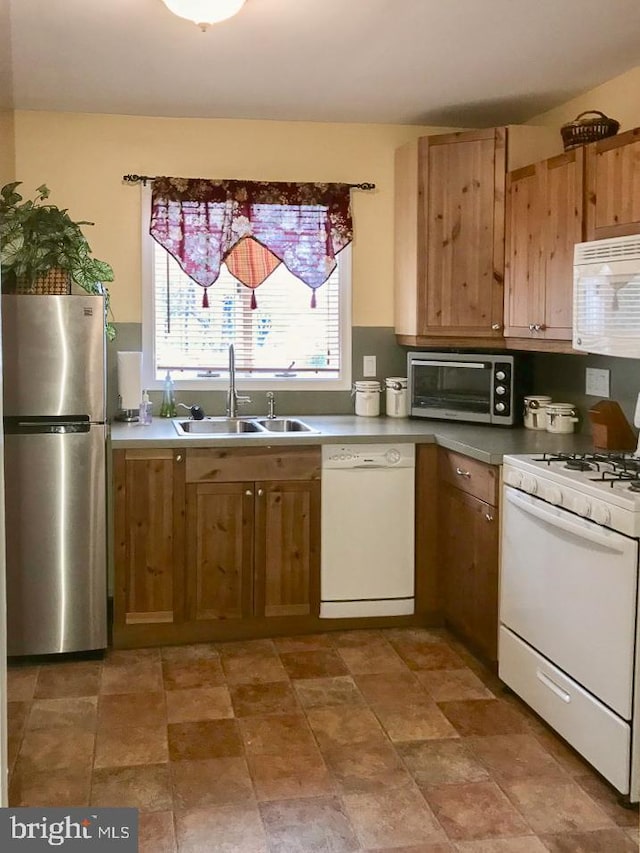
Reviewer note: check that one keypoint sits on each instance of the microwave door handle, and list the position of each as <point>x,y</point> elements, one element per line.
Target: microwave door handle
<point>474,365</point>
<point>554,519</point>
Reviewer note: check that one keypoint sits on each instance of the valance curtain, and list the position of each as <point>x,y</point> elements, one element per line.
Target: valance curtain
<point>251,226</point>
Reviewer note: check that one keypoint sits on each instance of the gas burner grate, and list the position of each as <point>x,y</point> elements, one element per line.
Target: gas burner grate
<point>580,465</point>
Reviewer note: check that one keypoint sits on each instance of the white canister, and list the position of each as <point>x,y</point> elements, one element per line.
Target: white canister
<point>396,401</point>
<point>367,392</point>
<point>535,408</point>
<point>561,417</point>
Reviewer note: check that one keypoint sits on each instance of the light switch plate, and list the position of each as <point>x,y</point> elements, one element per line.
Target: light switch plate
<point>368,365</point>
<point>597,382</point>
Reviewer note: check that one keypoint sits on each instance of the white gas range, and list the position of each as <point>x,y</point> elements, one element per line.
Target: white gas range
<point>569,602</point>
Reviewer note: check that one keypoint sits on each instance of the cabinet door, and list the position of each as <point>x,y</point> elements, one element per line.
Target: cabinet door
<point>287,549</point>
<point>220,537</point>
<point>544,221</point>
<point>469,568</point>
<point>149,535</point>
<point>613,186</point>
<point>462,183</point>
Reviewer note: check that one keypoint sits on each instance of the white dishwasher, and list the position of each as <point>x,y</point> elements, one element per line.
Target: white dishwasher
<point>367,553</point>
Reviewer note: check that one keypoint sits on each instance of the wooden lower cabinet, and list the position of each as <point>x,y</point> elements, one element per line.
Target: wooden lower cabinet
<point>468,562</point>
<point>199,548</point>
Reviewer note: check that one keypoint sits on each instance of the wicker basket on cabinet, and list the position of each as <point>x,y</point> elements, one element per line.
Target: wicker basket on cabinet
<point>581,130</point>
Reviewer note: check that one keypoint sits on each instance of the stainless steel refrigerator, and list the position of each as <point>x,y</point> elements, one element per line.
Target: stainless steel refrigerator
<point>55,449</point>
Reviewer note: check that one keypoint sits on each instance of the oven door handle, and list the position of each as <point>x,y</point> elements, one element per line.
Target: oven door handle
<point>472,365</point>
<point>582,529</point>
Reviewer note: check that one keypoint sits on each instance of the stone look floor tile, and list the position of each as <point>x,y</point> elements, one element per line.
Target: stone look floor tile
<point>212,782</point>
<point>326,692</point>
<point>121,746</point>
<point>156,833</point>
<point>394,816</point>
<point>17,715</point>
<point>191,673</point>
<point>556,806</point>
<point>429,847</point>
<point>146,787</point>
<point>195,651</point>
<point>447,685</point>
<point>234,648</point>
<point>64,787</point>
<point>277,734</point>
<point>21,683</point>
<point>353,639</point>
<point>608,800</point>
<point>132,676</point>
<point>602,841</point>
<point>276,697</point>
<point>420,655</point>
<point>56,749</point>
<point>303,643</point>
<point>477,810</point>
<point>324,663</point>
<point>308,826</point>
<point>366,767</point>
<point>203,740</point>
<point>344,726</point>
<point>368,660</point>
<point>245,668</point>
<point>391,687</point>
<point>525,844</point>
<point>198,703</point>
<point>414,721</point>
<point>131,709</point>
<point>72,678</point>
<point>77,713</point>
<point>441,762</point>
<point>514,757</point>
<point>483,717</point>
<point>289,777</point>
<point>231,827</point>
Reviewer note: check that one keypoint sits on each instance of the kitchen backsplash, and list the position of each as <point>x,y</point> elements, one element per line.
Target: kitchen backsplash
<point>561,376</point>
<point>366,340</point>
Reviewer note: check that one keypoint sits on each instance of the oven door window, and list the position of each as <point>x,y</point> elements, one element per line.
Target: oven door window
<point>458,386</point>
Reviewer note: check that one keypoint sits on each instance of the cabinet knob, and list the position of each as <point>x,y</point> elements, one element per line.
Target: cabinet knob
<point>531,327</point>
<point>462,473</point>
<point>539,327</point>
<point>488,516</point>
<point>179,457</point>
<point>260,493</point>
<point>248,493</point>
<point>496,327</point>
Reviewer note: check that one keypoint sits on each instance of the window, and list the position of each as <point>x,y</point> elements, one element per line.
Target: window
<point>283,343</point>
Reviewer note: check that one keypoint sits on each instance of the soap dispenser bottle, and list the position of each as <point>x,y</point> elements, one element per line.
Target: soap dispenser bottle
<point>144,414</point>
<point>168,407</point>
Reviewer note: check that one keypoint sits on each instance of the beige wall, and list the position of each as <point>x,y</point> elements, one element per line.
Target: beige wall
<point>618,98</point>
<point>7,148</point>
<point>82,159</point>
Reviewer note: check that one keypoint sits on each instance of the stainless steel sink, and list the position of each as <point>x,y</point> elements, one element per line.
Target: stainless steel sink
<point>284,425</point>
<point>216,426</point>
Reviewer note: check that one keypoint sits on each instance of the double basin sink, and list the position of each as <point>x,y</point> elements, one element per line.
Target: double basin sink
<point>237,426</point>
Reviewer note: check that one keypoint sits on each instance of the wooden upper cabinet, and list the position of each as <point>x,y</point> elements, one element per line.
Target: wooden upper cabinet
<point>449,233</point>
<point>545,218</point>
<point>148,536</point>
<point>613,186</point>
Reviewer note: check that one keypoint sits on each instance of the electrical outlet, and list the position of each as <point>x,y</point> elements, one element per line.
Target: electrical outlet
<point>597,382</point>
<point>368,365</point>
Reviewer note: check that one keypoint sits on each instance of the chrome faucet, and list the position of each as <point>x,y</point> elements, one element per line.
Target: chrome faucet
<point>271,405</point>
<point>233,398</point>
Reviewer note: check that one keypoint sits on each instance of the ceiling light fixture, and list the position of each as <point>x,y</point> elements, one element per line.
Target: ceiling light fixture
<point>204,12</point>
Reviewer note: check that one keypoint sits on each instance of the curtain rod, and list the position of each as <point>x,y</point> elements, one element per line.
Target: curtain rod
<point>145,179</point>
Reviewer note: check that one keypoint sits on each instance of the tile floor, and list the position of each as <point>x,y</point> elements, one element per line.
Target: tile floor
<point>367,740</point>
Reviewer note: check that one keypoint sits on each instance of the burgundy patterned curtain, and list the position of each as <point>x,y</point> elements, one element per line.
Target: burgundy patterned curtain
<point>253,227</point>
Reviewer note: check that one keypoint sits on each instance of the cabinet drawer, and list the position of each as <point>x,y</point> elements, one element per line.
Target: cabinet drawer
<point>473,477</point>
<point>245,464</point>
<point>595,731</point>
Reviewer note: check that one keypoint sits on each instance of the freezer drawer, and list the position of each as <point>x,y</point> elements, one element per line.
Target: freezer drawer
<point>56,541</point>
<point>597,734</point>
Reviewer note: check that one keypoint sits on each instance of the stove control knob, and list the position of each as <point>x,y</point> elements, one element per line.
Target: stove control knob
<point>500,407</point>
<point>529,484</point>
<point>501,375</point>
<point>553,495</point>
<point>513,478</point>
<point>501,390</point>
<point>601,514</point>
<point>583,507</point>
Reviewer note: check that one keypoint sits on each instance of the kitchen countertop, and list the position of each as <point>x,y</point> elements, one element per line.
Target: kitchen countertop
<point>485,443</point>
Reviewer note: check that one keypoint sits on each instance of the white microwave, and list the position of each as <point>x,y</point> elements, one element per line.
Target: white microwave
<point>606,296</point>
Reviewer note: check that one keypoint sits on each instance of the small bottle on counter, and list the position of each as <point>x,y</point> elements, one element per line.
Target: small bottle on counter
<point>168,407</point>
<point>144,411</point>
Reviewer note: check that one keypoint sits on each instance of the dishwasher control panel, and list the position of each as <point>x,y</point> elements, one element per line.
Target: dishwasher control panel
<point>368,455</point>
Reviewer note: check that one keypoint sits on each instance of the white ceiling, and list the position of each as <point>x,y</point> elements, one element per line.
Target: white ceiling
<point>447,62</point>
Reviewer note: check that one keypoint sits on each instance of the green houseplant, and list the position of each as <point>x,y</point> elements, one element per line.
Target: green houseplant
<point>37,238</point>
